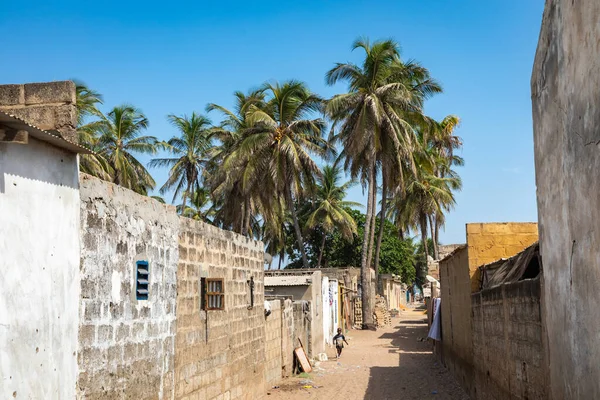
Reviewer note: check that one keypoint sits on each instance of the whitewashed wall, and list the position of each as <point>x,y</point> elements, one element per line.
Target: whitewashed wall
<point>39,271</point>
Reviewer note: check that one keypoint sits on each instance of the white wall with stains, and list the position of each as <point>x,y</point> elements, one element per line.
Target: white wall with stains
<point>39,271</point>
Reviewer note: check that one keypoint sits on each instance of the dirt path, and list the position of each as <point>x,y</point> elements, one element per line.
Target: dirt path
<point>390,363</point>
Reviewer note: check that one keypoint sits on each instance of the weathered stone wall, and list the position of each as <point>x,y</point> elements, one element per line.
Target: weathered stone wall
<point>317,340</point>
<point>565,93</point>
<point>287,338</point>
<point>126,346</point>
<point>508,349</point>
<point>489,242</point>
<point>49,106</point>
<point>219,354</point>
<point>302,325</point>
<point>273,348</point>
<point>456,317</point>
<point>39,271</point>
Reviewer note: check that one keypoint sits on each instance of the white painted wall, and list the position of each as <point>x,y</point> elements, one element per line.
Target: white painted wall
<point>327,336</point>
<point>39,271</point>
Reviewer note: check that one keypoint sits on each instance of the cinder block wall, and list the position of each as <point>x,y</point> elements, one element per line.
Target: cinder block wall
<point>456,317</point>
<point>219,354</point>
<point>126,346</point>
<point>508,349</point>
<point>273,344</point>
<point>459,277</point>
<point>49,105</point>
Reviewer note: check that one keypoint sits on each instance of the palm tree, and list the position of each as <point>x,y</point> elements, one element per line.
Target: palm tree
<point>87,101</point>
<point>191,150</point>
<point>235,208</point>
<point>374,127</point>
<point>276,152</point>
<point>328,208</point>
<point>200,206</point>
<point>445,142</point>
<point>120,138</point>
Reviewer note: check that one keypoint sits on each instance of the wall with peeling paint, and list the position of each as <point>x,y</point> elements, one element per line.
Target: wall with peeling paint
<point>126,346</point>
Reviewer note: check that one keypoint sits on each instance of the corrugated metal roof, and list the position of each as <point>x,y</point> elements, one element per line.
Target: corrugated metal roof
<point>288,280</point>
<point>14,122</point>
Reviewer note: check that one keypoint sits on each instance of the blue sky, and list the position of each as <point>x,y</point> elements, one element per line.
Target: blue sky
<point>174,57</point>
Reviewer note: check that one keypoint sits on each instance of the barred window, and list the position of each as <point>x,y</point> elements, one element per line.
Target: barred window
<point>213,294</point>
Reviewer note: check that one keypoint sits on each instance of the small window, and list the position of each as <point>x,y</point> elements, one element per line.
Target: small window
<point>213,294</point>
<point>142,275</point>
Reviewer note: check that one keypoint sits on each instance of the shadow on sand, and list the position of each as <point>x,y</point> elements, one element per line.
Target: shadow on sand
<point>418,373</point>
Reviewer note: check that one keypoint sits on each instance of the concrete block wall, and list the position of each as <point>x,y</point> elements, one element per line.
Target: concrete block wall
<point>273,344</point>
<point>456,317</point>
<point>508,347</point>
<point>49,106</point>
<point>459,277</point>
<point>126,346</point>
<point>219,354</point>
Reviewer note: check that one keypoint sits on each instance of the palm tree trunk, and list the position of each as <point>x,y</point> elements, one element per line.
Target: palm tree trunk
<point>297,229</point>
<point>184,198</point>
<point>372,237</point>
<point>437,232</point>
<point>380,233</point>
<point>242,226</point>
<point>432,228</point>
<point>373,221</point>
<point>246,220</point>
<point>365,269</point>
<point>321,250</point>
<point>400,233</point>
<point>281,255</point>
<point>424,236</point>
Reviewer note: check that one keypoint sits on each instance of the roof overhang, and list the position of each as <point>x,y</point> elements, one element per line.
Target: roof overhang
<point>15,130</point>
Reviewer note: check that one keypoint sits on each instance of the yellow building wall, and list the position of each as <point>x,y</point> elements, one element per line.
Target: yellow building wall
<point>489,242</point>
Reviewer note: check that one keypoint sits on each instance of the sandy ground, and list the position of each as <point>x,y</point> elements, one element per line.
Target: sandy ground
<point>391,363</point>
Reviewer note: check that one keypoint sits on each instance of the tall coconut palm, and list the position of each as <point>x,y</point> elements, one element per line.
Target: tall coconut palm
<point>236,208</point>
<point>190,149</point>
<point>276,152</point>
<point>445,143</point>
<point>121,139</point>
<point>328,209</point>
<point>373,126</point>
<point>87,101</point>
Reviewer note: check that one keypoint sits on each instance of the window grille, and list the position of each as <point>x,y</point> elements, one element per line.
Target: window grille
<point>214,294</point>
<point>142,275</point>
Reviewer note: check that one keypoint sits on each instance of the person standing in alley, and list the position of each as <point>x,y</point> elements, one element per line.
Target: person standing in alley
<point>339,341</point>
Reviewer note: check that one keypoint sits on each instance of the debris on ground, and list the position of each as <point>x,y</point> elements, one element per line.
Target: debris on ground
<point>381,312</point>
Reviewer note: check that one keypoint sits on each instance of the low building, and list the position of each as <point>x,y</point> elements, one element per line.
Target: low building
<point>460,276</point>
<point>39,242</point>
<point>394,291</point>
<point>306,286</point>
